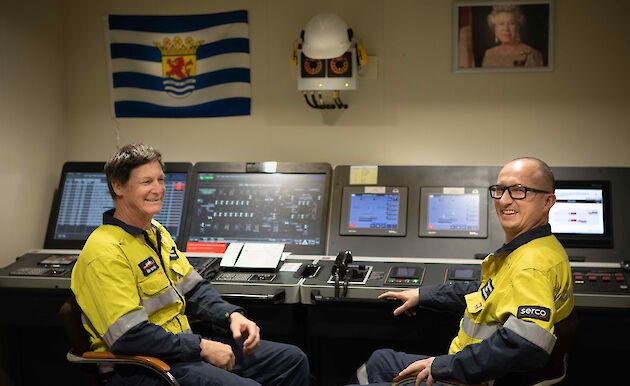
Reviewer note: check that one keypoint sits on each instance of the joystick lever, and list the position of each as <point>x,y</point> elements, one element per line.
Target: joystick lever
<point>339,272</point>
<point>340,268</point>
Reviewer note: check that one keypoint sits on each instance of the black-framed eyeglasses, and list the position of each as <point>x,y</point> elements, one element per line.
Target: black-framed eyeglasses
<point>517,192</point>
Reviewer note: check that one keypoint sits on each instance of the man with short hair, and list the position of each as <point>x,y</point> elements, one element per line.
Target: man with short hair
<point>136,291</point>
<point>512,316</point>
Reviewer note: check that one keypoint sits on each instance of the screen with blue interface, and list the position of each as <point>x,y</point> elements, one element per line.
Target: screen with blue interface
<point>374,211</point>
<point>258,207</point>
<point>578,211</point>
<point>84,198</point>
<point>453,212</point>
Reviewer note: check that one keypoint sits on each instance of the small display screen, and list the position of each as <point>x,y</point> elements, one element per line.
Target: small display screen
<point>463,274</point>
<point>578,211</point>
<point>582,214</point>
<point>454,212</point>
<point>405,272</point>
<point>374,211</point>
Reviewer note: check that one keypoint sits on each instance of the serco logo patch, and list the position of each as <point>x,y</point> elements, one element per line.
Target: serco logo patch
<point>534,312</point>
<point>148,266</point>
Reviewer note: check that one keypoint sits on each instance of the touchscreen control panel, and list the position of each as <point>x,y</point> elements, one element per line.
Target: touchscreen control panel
<point>462,275</point>
<point>404,276</point>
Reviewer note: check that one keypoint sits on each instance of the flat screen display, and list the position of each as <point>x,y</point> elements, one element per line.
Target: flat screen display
<point>581,215</point>
<point>463,274</point>
<point>287,208</point>
<point>453,212</point>
<point>578,211</point>
<point>83,196</point>
<point>374,211</point>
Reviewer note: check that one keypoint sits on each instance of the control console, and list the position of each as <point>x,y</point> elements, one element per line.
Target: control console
<point>404,276</point>
<point>600,280</point>
<point>462,274</point>
<point>245,277</point>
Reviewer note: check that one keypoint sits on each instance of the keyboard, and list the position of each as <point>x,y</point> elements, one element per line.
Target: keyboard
<point>37,271</point>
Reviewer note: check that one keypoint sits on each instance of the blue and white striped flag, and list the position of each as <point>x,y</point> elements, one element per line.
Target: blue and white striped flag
<point>180,66</point>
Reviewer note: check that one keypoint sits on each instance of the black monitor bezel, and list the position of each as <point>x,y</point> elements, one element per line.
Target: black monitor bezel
<point>572,240</point>
<point>98,167</point>
<point>275,168</point>
<point>424,212</point>
<point>347,191</point>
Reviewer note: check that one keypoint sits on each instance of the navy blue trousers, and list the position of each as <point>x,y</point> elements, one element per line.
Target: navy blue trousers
<point>383,365</point>
<point>273,364</point>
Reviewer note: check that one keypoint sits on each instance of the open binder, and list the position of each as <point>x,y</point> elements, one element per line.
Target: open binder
<point>252,256</point>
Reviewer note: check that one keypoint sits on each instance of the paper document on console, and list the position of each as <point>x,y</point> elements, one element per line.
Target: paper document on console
<point>231,254</point>
<point>260,256</point>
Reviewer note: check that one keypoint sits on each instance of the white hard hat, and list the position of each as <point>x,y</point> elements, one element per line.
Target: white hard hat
<point>325,37</point>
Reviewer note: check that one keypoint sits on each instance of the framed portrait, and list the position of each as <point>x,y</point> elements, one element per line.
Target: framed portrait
<point>503,36</point>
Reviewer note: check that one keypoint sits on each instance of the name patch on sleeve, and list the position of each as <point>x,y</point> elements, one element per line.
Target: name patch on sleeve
<point>173,255</point>
<point>487,289</point>
<point>534,312</point>
<point>148,266</point>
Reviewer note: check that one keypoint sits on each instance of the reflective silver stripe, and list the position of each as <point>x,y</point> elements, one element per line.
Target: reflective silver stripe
<point>124,324</point>
<point>477,331</point>
<point>186,331</point>
<point>532,332</point>
<point>158,302</point>
<point>189,282</point>
<point>362,375</point>
<point>171,295</point>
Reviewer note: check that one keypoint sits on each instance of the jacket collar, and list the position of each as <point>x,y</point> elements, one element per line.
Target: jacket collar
<point>524,238</point>
<point>109,219</point>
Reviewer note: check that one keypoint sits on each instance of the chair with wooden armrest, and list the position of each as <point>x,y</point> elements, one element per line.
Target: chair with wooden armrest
<point>552,373</point>
<point>80,353</point>
<point>411,380</point>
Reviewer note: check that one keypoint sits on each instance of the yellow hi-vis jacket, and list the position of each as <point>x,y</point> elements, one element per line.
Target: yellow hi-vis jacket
<point>121,282</point>
<point>508,323</point>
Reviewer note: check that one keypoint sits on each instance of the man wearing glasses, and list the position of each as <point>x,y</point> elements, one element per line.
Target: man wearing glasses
<point>517,319</point>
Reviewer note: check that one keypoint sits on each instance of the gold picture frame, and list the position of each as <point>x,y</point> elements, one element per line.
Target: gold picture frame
<point>503,36</point>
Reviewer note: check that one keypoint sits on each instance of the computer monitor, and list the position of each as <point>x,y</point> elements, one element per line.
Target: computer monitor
<point>374,211</point>
<point>581,216</point>
<point>83,196</point>
<point>268,202</point>
<point>454,212</point>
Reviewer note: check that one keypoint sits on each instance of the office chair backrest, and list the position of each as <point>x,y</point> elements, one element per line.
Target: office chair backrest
<point>70,313</point>
<point>79,339</point>
<point>565,332</point>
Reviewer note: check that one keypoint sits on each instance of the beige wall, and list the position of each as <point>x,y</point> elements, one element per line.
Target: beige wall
<point>32,146</point>
<point>416,112</point>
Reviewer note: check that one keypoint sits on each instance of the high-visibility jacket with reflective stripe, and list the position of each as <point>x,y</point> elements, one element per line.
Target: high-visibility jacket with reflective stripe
<point>120,281</point>
<point>509,317</point>
<point>533,284</point>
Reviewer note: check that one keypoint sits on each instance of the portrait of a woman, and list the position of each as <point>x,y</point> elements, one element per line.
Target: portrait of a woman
<point>505,21</point>
<point>499,36</point>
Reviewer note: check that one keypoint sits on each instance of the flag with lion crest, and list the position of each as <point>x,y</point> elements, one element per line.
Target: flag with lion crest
<point>180,66</point>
